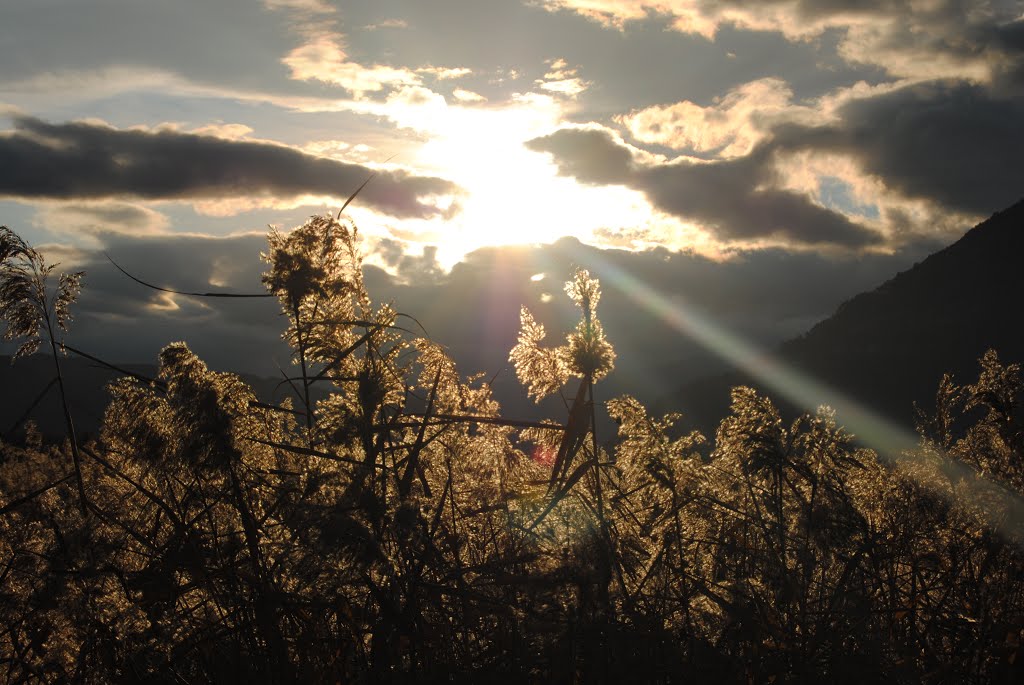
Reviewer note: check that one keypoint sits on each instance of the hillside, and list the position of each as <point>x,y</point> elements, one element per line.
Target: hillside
<point>889,347</point>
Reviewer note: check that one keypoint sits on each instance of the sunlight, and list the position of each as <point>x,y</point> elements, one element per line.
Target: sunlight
<point>891,441</point>
<point>514,196</point>
<point>163,303</point>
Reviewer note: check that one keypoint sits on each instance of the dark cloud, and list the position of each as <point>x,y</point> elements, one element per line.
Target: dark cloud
<point>589,155</point>
<point>84,160</point>
<point>124,321</point>
<point>1010,38</point>
<point>952,142</point>
<point>763,297</point>
<point>122,215</point>
<point>726,198</point>
<point>105,217</point>
<point>733,198</point>
<point>410,268</point>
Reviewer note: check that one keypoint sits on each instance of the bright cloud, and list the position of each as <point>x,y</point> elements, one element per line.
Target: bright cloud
<point>307,6</point>
<point>341,150</point>
<point>562,79</point>
<point>730,127</point>
<point>227,131</point>
<point>388,24</point>
<point>445,73</point>
<point>324,59</point>
<point>917,39</point>
<point>613,13</point>
<point>463,95</point>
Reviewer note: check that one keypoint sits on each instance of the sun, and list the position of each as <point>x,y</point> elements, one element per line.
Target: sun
<point>513,195</point>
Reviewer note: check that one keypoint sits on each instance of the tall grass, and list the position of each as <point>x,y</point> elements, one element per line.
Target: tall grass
<point>401,529</point>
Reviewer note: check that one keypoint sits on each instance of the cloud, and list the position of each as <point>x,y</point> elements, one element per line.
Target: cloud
<point>387,24</point>
<point>734,199</point>
<point>235,43</point>
<point>591,155</point>
<point>445,73</point>
<point>311,7</point>
<point>417,97</point>
<point>97,219</point>
<point>122,321</point>
<point>971,39</point>
<point>463,95</point>
<point>322,58</point>
<point>410,268</point>
<point>862,166</point>
<point>729,127</point>
<point>611,13</point>
<point>230,131</point>
<point>339,149</point>
<point>562,79</point>
<point>737,201</point>
<point>764,296</point>
<point>89,160</point>
<point>951,142</point>
<point>323,55</point>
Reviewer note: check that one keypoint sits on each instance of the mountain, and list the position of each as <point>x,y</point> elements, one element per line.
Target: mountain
<point>889,347</point>
<point>886,348</point>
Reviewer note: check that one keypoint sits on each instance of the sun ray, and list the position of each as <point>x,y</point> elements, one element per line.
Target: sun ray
<point>893,443</point>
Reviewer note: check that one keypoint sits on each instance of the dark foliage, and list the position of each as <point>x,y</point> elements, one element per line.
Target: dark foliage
<point>399,529</point>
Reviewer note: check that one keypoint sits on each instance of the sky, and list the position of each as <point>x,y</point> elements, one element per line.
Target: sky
<point>757,161</point>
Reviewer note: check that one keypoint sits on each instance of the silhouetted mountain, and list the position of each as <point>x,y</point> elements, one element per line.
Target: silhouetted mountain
<point>889,347</point>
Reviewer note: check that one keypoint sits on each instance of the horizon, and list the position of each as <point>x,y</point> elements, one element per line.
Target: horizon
<point>755,167</point>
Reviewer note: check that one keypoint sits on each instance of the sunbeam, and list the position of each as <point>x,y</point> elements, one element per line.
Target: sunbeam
<point>1003,509</point>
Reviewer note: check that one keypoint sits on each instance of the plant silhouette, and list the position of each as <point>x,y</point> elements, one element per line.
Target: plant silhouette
<point>400,528</point>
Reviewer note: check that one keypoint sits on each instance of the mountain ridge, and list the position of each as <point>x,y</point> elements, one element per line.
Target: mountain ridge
<point>888,348</point>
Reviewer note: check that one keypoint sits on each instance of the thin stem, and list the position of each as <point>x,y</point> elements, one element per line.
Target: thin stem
<point>302,363</point>
<point>69,423</point>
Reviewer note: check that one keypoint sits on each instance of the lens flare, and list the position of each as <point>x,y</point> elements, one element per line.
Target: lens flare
<point>1003,509</point>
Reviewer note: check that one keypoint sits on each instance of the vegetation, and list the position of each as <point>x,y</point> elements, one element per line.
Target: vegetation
<point>401,530</point>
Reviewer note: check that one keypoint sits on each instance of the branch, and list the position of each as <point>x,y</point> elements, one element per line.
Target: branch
<point>182,292</point>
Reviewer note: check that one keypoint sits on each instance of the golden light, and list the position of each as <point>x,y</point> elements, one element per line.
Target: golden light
<point>513,196</point>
